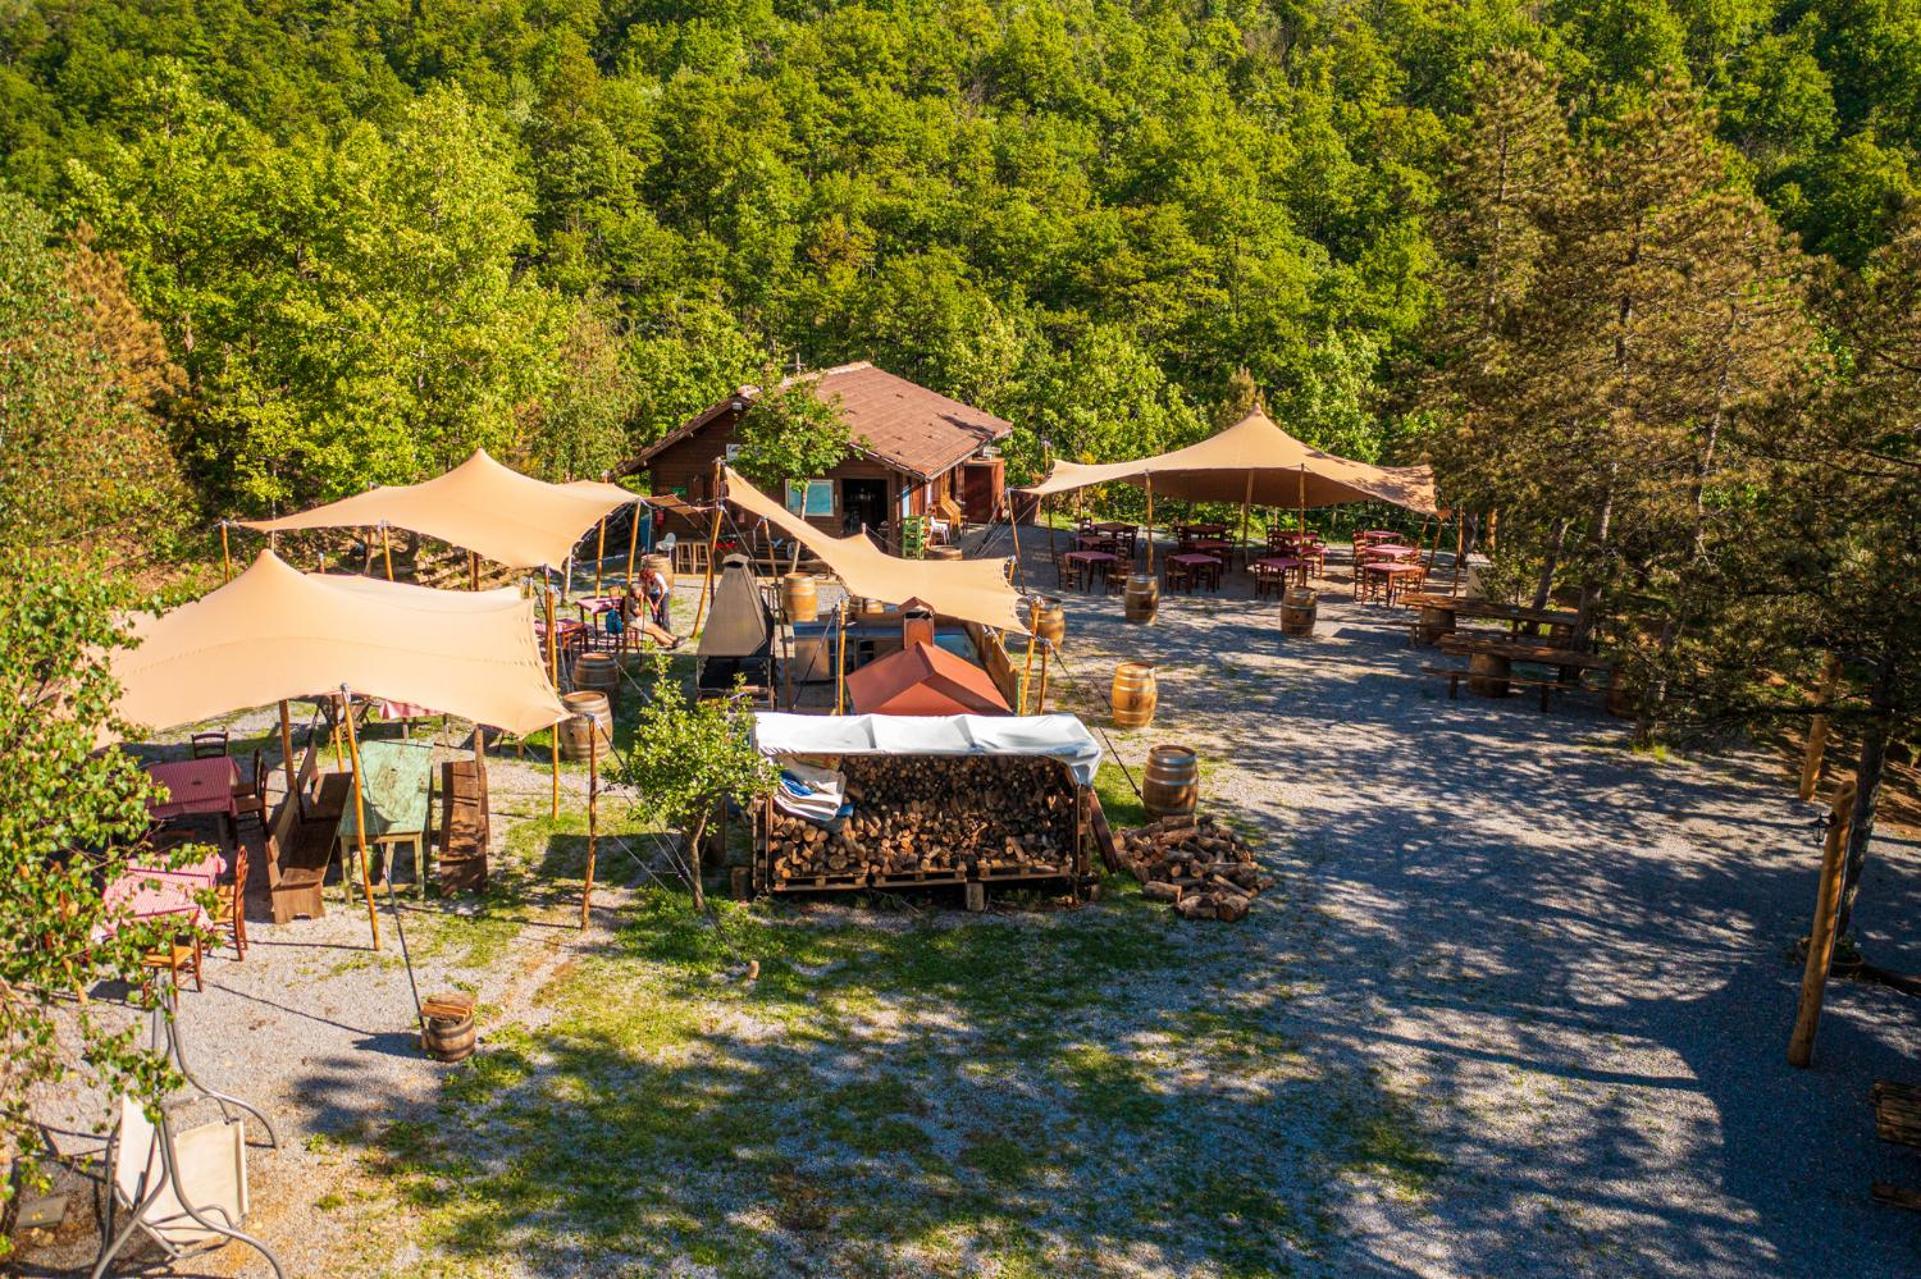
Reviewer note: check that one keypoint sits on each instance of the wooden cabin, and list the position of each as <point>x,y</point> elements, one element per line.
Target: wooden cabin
<point>914,452</point>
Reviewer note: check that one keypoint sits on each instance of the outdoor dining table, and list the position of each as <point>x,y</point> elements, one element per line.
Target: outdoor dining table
<point>1491,660</point>
<point>396,788</point>
<point>1393,575</point>
<point>195,786</point>
<point>1192,568</point>
<point>1273,571</point>
<point>145,891</point>
<point>1088,565</point>
<point>1389,551</point>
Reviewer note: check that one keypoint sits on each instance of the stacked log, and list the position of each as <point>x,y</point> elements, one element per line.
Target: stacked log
<point>937,819</point>
<point>1897,1112</point>
<point>1197,865</point>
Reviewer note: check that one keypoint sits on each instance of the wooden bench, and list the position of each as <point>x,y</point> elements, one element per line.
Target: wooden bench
<point>1897,1118</point>
<point>1455,674</point>
<point>327,800</point>
<point>297,856</point>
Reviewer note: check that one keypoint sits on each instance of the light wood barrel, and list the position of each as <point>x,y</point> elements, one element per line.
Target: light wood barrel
<point>1052,622</point>
<point>448,1038</point>
<point>589,713</point>
<point>943,552</point>
<point>661,564</point>
<point>1143,597</point>
<point>1171,782</point>
<point>1297,611</point>
<point>598,673</point>
<point>1135,695</point>
<point>1436,620</point>
<point>1487,674</point>
<point>799,598</point>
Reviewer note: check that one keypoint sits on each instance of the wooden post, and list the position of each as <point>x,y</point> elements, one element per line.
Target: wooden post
<point>1827,903</point>
<point>1014,531</point>
<point>1818,728</point>
<point>1435,549</point>
<point>1040,697</point>
<point>1303,512</point>
<point>1033,640</point>
<point>386,550</point>
<point>633,539</point>
<point>360,815</point>
<point>1460,550</point>
<point>1247,500</point>
<point>840,662</point>
<point>286,748</point>
<point>553,673</point>
<point>593,821</point>
<point>473,571</point>
<point>600,555</point>
<point>226,555</point>
<point>1150,524</point>
<point>713,541</point>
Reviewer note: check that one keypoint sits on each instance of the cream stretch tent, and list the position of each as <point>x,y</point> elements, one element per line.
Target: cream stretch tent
<point>967,590</point>
<point>1257,463</point>
<point>275,634</point>
<point>481,506</point>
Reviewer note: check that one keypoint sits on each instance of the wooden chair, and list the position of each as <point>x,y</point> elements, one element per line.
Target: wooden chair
<point>232,911</point>
<point>250,796</point>
<point>209,745</point>
<point>174,957</point>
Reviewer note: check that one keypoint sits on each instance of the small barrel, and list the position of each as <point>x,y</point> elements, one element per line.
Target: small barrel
<point>1143,598</point>
<point>1297,611</point>
<point>447,1027</point>
<point>798,598</point>
<point>943,552</point>
<point>589,713</point>
<point>1487,674</point>
<point>598,673</point>
<point>1135,695</point>
<point>872,608</point>
<point>1050,623</point>
<point>661,564</point>
<point>1171,782</point>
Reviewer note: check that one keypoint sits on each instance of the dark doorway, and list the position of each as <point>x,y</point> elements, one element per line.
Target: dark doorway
<point>863,503</point>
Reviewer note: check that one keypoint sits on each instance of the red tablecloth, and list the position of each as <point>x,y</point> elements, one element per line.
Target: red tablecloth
<point>195,786</point>
<point>145,891</point>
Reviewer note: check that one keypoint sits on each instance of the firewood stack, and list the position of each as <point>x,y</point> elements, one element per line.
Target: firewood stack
<point>1198,865</point>
<point>936,816</point>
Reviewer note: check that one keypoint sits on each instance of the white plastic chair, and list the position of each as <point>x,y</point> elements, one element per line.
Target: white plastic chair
<point>187,1191</point>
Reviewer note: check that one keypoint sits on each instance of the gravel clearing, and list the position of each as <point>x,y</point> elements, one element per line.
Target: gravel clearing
<point>1563,965</point>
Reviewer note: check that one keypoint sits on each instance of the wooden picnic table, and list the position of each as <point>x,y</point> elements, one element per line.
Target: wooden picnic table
<point>1490,661</point>
<point>397,790</point>
<point>1439,613</point>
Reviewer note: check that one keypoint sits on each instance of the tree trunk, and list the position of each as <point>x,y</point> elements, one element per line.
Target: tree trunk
<point>693,862</point>
<point>1544,588</point>
<point>1867,786</point>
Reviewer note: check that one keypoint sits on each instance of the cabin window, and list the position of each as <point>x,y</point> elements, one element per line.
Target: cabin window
<point>808,498</point>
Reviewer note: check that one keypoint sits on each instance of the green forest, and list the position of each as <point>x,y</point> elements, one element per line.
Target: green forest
<point>1638,276</point>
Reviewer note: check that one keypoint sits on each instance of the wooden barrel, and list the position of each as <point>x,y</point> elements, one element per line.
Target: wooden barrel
<point>590,713</point>
<point>1143,597</point>
<point>1487,674</point>
<point>1171,782</point>
<point>1436,620</point>
<point>1297,611</point>
<point>798,598</point>
<point>661,564</point>
<point>1051,624</point>
<point>447,1027</point>
<point>1135,695</point>
<point>598,673</point>
<point>871,608</point>
<point>943,552</point>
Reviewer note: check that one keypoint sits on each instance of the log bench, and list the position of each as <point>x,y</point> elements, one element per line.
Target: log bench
<point>1455,674</point>
<point>1897,1118</point>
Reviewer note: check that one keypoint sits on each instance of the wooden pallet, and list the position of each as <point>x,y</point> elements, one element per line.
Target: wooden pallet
<point>921,878</point>
<point>841,883</point>
<point>995,875</point>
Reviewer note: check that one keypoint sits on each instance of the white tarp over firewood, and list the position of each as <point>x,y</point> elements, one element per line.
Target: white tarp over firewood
<point>1060,736</point>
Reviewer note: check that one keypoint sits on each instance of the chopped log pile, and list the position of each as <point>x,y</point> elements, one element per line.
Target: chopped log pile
<point>1197,865</point>
<point>934,819</point>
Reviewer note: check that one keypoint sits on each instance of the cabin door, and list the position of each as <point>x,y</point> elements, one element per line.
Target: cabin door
<point>863,503</point>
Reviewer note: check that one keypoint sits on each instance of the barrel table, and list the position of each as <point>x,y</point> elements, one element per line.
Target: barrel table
<point>1135,694</point>
<point>1171,782</point>
<point>1298,608</point>
<point>1487,674</point>
<point>1143,598</point>
<point>587,713</point>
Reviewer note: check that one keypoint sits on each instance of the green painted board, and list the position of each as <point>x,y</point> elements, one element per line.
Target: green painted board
<point>395,790</point>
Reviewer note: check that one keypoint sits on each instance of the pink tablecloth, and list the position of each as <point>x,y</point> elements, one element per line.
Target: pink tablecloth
<point>146,891</point>
<point>195,786</point>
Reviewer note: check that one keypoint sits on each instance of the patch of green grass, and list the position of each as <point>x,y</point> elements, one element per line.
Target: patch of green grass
<point>1382,1139</point>
<point>1123,807</point>
<point>1004,1161</point>
<point>1108,1088</point>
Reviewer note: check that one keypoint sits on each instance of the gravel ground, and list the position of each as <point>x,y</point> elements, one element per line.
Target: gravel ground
<point>1570,961</point>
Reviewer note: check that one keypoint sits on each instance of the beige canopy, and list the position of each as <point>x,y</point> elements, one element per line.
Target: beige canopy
<point>1283,472</point>
<point>969,590</point>
<point>481,506</point>
<point>275,633</point>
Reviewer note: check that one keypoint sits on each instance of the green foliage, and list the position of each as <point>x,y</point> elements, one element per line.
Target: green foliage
<point>690,755</point>
<point>789,432</point>
<point>69,816</point>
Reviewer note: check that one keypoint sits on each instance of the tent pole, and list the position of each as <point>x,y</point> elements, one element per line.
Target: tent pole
<point>1040,697</point>
<point>1818,728</point>
<point>1148,482</point>
<point>600,555</point>
<point>473,571</point>
<point>386,550</point>
<point>226,556</point>
<point>1460,549</point>
<point>633,541</point>
<point>840,661</point>
<point>1435,549</point>
<point>1014,531</point>
<point>286,749</point>
<point>360,816</point>
<point>1033,640</point>
<point>1247,500</point>
<point>1827,901</point>
<point>1302,529</point>
<point>713,542</point>
<point>553,673</point>
<point>593,821</point>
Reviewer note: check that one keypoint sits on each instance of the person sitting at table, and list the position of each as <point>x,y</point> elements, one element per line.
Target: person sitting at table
<point>632,613</point>
<point>660,595</point>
